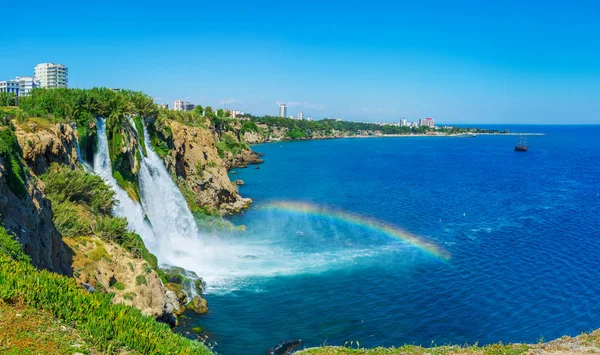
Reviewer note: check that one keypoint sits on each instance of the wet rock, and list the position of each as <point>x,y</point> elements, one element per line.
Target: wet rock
<point>239,182</point>
<point>198,305</point>
<point>285,347</point>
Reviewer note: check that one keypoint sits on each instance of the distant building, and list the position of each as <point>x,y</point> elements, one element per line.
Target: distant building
<point>165,106</point>
<point>282,110</point>
<point>404,123</point>
<point>52,75</point>
<point>291,117</point>
<point>300,115</point>
<point>427,122</point>
<point>178,105</point>
<point>26,84</point>
<point>10,86</point>
<point>236,113</point>
<point>309,118</point>
<point>187,106</point>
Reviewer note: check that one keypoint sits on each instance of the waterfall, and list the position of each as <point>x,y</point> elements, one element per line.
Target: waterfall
<point>86,166</point>
<point>126,207</point>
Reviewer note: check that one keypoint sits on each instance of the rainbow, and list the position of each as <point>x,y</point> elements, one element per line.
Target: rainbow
<point>365,222</point>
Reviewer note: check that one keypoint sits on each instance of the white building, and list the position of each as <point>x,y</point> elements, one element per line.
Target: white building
<point>291,117</point>
<point>427,122</point>
<point>165,106</point>
<point>282,110</point>
<point>178,105</point>
<point>300,115</point>
<point>52,75</point>
<point>404,123</point>
<point>309,118</point>
<point>10,86</point>
<point>26,84</point>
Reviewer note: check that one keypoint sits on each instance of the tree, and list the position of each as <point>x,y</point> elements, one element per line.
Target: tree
<point>220,112</point>
<point>8,99</point>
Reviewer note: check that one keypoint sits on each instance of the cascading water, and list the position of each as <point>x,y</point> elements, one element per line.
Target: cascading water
<point>226,263</point>
<point>128,208</point>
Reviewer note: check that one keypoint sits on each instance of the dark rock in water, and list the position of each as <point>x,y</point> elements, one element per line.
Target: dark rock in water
<point>258,166</point>
<point>239,182</point>
<point>261,154</point>
<point>198,305</point>
<point>285,347</point>
<point>168,318</point>
<point>88,287</point>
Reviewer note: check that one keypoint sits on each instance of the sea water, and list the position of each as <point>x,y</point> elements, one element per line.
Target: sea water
<point>522,231</point>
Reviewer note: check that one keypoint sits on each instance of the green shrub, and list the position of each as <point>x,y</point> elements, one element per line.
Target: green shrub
<point>82,204</point>
<point>227,143</point>
<point>11,155</point>
<point>139,127</point>
<point>119,286</point>
<point>129,296</point>
<point>141,280</point>
<point>11,247</point>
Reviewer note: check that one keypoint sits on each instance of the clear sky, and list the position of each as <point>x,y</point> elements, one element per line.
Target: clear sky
<point>457,61</point>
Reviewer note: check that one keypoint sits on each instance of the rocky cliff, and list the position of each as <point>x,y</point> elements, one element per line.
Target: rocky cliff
<point>29,218</point>
<point>43,143</point>
<point>200,172</point>
<point>98,263</point>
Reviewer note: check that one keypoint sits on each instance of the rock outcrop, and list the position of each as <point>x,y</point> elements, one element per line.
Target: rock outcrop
<point>29,218</point>
<point>201,173</point>
<point>43,144</point>
<point>109,267</point>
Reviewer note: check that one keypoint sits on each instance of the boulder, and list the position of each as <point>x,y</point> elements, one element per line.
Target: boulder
<point>198,305</point>
<point>239,182</point>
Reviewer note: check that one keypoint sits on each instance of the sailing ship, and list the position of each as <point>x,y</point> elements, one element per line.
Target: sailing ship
<point>521,145</point>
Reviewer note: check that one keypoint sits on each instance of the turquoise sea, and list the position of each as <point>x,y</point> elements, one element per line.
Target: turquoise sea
<point>421,240</point>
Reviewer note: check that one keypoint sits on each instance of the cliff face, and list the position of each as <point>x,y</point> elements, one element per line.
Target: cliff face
<point>200,171</point>
<point>29,218</point>
<point>89,259</point>
<point>108,267</point>
<point>43,143</point>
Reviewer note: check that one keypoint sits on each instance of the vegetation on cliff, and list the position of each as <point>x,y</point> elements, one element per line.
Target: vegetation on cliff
<point>11,155</point>
<point>108,327</point>
<point>82,205</point>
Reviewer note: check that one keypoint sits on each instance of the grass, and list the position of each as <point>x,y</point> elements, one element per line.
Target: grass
<point>26,330</point>
<point>141,280</point>
<point>354,349</point>
<point>108,327</point>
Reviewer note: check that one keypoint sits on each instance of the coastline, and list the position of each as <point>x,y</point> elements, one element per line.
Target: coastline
<point>458,135</point>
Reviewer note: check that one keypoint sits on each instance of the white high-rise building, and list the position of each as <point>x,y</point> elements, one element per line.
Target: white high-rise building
<point>52,75</point>
<point>404,123</point>
<point>178,105</point>
<point>300,116</point>
<point>282,110</point>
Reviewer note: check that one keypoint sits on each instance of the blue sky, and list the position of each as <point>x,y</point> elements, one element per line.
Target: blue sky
<point>457,61</point>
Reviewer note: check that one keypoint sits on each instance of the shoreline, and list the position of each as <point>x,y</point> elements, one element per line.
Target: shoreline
<point>458,135</point>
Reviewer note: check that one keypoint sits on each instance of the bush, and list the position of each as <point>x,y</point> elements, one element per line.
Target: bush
<point>141,280</point>
<point>119,286</point>
<point>228,143</point>
<point>82,204</point>
<point>11,155</point>
<point>11,247</point>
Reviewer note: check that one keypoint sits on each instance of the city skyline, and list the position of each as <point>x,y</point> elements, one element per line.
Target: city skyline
<point>462,63</point>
